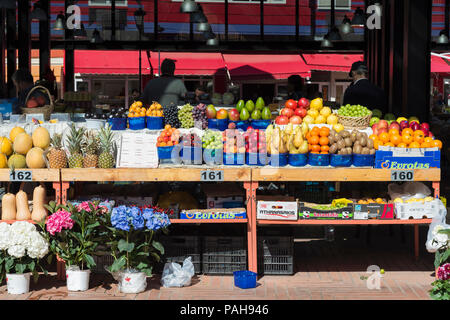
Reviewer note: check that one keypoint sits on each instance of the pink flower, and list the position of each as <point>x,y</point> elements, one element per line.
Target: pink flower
<point>444,272</point>
<point>58,221</point>
<point>85,206</point>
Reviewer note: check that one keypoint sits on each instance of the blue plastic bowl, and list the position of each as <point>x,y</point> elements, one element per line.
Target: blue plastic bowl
<point>260,124</point>
<point>118,123</point>
<point>137,123</point>
<point>234,159</point>
<point>218,124</point>
<point>210,158</point>
<point>155,123</point>
<point>165,152</point>
<point>339,160</point>
<point>245,279</point>
<point>298,160</point>
<point>189,154</point>
<point>278,160</point>
<point>363,160</point>
<point>243,125</point>
<point>256,159</point>
<point>319,160</point>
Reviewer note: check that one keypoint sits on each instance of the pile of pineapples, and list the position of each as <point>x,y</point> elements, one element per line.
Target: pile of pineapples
<point>87,149</point>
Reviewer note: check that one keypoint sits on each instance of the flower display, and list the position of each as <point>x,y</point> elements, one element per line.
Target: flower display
<point>86,205</point>
<point>443,272</point>
<point>58,221</point>
<point>123,218</point>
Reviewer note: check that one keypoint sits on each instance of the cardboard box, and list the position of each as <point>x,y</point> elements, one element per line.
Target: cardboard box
<point>307,212</point>
<point>277,210</point>
<point>415,210</point>
<point>407,159</point>
<point>227,195</point>
<point>373,211</point>
<point>217,214</point>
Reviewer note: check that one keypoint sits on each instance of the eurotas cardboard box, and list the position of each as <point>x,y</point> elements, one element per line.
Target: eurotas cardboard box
<point>277,210</point>
<point>407,159</point>
<point>214,214</point>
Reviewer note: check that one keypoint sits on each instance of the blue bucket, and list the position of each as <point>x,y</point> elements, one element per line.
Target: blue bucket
<point>155,123</point>
<point>260,124</point>
<point>278,160</point>
<point>137,123</point>
<point>319,160</point>
<point>189,154</point>
<point>339,160</point>
<point>218,124</point>
<point>118,123</point>
<point>363,160</point>
<point>256,159</point>
<point>234,159</point>
<point>245,279</point>
<point>298,160</point>
<point>243,125</point>
<point>165,152</point>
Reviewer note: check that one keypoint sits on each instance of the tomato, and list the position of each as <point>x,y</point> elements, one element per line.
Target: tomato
<point>291,104</point>
<point>303,103</point>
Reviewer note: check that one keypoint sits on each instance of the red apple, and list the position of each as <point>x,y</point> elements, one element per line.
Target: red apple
<point>430,134</point>
<point>382,130</point>
<point>295,120</point>
<point>282,120</point>
<point>425,126</point>
<point>287,112</point>
<point>291,104</point>
<point>375,129</point>
<point>222,114</point>
<point>394,125</point>
<point>404,124</point>
<point>301,112</point>
<point>303,103</point>
<point>233,115</point>
<point>414,125</point>
<point>383,124</point>
<point>211,112</point>
<point>425,131</point>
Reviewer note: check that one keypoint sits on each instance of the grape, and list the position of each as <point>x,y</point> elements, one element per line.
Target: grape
<point>171,116</point>
<point>185,116</point>
<point>353,111</point>
<point>199,114</point>
<point>212,139</point>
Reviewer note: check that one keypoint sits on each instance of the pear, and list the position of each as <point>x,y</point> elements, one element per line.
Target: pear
<point>303,148</point>
<point>305,129</point>
<point>298,140</point>
<point>289,128</point>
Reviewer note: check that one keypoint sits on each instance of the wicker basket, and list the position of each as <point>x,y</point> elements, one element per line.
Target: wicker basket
<point>45,110</point>
<point>355,122</point>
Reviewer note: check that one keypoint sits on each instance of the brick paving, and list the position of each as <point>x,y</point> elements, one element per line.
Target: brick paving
<point>323,271</point>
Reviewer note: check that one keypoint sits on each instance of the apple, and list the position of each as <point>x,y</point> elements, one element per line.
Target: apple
<point>301,112</point>
<point>211,112</point>
<point>295,120</point>
<point>233,115</point>
<point>383,124</point>
<point>287,112</point>
<point>291,104</point>
<point>404,124</point>
<point>374,120</point>
<point>382,130</point>
<point>425,126</point>
<point>394,125</point>
<point>430,134</point>
<point>375,129</point>
<point>303,103</point>
<point>425,131</point>
<point>232,125</point>
<point>222,114</point>
<point>414,125</point>
<point>282,120</point>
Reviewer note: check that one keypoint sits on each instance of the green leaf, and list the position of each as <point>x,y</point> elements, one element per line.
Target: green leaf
<point>158,246</point>
<point>437,259</point>
<point>125,246</point>
<point>9,264</point>
<point>35,276</point>
<point>118,264</point>
<point>445,256</point>
<point>20,268</point>
<point>32,265</point>
<point>156,256</point>
<point>89,261</point>
<point>142,266</point>
<point>142,253</point>
<point>148,271</point>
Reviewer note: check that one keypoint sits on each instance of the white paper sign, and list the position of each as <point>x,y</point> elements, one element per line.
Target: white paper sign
<point>138,150</point>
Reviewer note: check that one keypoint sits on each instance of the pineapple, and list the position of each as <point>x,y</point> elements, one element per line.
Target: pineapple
<point>57,157</point>
<point>74,144</point>
<point>90,147</point>
<point>106,158</point>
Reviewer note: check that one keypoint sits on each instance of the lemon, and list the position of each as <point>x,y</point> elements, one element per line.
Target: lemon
<point>313,113</point>
<point>5,146</point>
<point>338,127</point>
<point>332,119</point>
<point>326,111</point>
<point>382,271</point>
<point>316,104</point>
<point>320,120</point>
<point>308,120</point>
<point>3,161</point>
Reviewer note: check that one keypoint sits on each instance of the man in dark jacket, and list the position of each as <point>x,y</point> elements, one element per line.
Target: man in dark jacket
<point>23,81</point>
<point>362,91</point>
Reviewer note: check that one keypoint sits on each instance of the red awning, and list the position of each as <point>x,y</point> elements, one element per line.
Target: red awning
<point>127,62</point>
<point>439,64</point>
<point>259,66</point>
<point>332,62</point>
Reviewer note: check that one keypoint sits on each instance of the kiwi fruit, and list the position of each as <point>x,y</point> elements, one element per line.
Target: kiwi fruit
<point>357,149</point>
<point>331,139</point>
<point>333,148</point>
<point>372,152</point>
<point>348,142</point>
<point>341,144</point>
<point>365,151</point>
<point>363,141</point>
<point>349,150</point>
<point>370,143</point>
<point>344,134</point>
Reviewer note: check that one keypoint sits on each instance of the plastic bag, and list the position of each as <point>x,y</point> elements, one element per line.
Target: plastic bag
<point>176,276</point>
<point>436,240</point>
<point>408,190</point>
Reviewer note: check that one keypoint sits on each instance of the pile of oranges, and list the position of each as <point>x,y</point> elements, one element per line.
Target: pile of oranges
<point>137,110</point>
<point>155,110</point>
<point>318,141</point>
<point>168,137</point>
<point>407,139</point>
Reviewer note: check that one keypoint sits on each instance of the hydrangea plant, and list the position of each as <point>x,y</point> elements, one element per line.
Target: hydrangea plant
<point>441,287</point>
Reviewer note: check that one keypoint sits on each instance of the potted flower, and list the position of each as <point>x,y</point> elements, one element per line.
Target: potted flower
<point>441,243</point>
<point>73,233</point>
<point>21,248</point>
<point>131,236</point>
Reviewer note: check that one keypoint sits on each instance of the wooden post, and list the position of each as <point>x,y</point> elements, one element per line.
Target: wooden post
<point>44,40</point>
<point>24,35</point>
<point>11,50</point>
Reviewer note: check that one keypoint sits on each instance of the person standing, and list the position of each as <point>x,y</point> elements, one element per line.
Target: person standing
<point>362,91</point>
<point>166,89</point>
<point>23,81</point>
<point>294,87</point>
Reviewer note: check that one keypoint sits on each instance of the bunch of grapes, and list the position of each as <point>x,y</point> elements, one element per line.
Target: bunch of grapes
<point>200,119</point>
<point>185,116</point>
<point>171,116</point>
<point>191,140</point>
<point>353,111</point>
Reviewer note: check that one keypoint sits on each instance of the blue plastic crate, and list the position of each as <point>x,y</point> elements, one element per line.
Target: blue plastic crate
<point>319,160</point>
<point>256,159</point>
<point>388,160</point>
<point>363,160</point>
<point>155,123</point>
<point>260,124</point>
<point>278,160</point>
<point>137,123</point>
<point>118,123</point>
<point>243,125</point>
<point>245,279</point>
<point>233,159</point>
<point>298,160</point>
<point>165,152</point>
<point>339,160</point>
<point>218,124</point>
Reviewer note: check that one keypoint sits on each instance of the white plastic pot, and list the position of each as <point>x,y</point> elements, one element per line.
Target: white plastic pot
<point>132,282</point>
<point>77,280</point>
<point>18,283</point>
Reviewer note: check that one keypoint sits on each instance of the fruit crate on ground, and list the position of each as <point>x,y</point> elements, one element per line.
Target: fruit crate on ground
<point>178,248</point>
<point>223,255</point>
<point>276,255</point>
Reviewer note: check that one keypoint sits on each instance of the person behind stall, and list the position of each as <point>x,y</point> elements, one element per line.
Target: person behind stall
<point>294,87</point>
<point>361,91</point>
<point>23,81</point>
<point>135,95</point>
<point>166,89</point>
<point>199,91</point>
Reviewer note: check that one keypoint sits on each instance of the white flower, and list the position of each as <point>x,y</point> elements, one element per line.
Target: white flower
<point>39,246</point>
<point>4,235</point>
<point>16,251</point>
<point>437,229</point>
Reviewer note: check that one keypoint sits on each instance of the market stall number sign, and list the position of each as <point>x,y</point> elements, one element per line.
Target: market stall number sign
<point>402,175</point>
<point>211,175</point>
<point>20,176</point>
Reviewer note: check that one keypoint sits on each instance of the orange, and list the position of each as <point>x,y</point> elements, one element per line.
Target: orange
<point>407,131</point>
<point>414,144</point>
<point>167,126</point>
<point>436,144</point>
<point>428,139</point>
<point>402,145</point>
<point>394,132</point>
<point>395,139</point>
<point>377,143</point>
<point>389,144</point>
<point>308,135</point>
<point>315,131</point>
<point>323,141</point>
<point>407,139</point>
<point>310,147</point>
<point>162,144</point>
<point>159,113</point>
<point>315,148</point>
<point>373,137</point>
<point>324,132</point>
<point>384,137</point>
<point>324,152</point>
<point>425,145</point>
<point>314,140</point>
<point>419,136</point>
<point>325,148</point>
<point>169,144</point>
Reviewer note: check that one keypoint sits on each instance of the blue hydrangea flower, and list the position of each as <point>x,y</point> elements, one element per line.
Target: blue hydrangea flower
<point>148,213</point>
<point>137,218</point>
<point>119,218</point>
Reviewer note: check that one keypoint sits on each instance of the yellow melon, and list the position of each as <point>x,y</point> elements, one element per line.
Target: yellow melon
<point>23,143</point>
<point>41,138</point>
<point>35,158</point>
<point>6,146</point>
<point>3,161</point>
<point>17,161</point>
<point>15,132</point>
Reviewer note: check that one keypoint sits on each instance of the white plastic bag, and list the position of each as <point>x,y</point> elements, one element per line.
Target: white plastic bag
<point>408,190</point>
<point>176,276</point>
<point>436,240</point>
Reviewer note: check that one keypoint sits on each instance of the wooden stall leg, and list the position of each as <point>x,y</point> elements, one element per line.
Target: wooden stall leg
<point>57,187</point>
<point>436,187</point>
<point>254,228</point>
<point>64,188</point>
<point>251,225</point>
<point>416,242</point>
<point>60,269</point>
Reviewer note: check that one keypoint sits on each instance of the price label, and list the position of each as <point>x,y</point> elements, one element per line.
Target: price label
<point>211,175</point>
<point>18,175</point>
<point>402,175</point>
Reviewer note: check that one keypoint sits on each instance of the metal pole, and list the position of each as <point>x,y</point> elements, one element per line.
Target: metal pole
<point>333,12</point>
<point>140,63</point>
<point>261,26</point>
<point>447,13</point>
<point>159,63</point>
